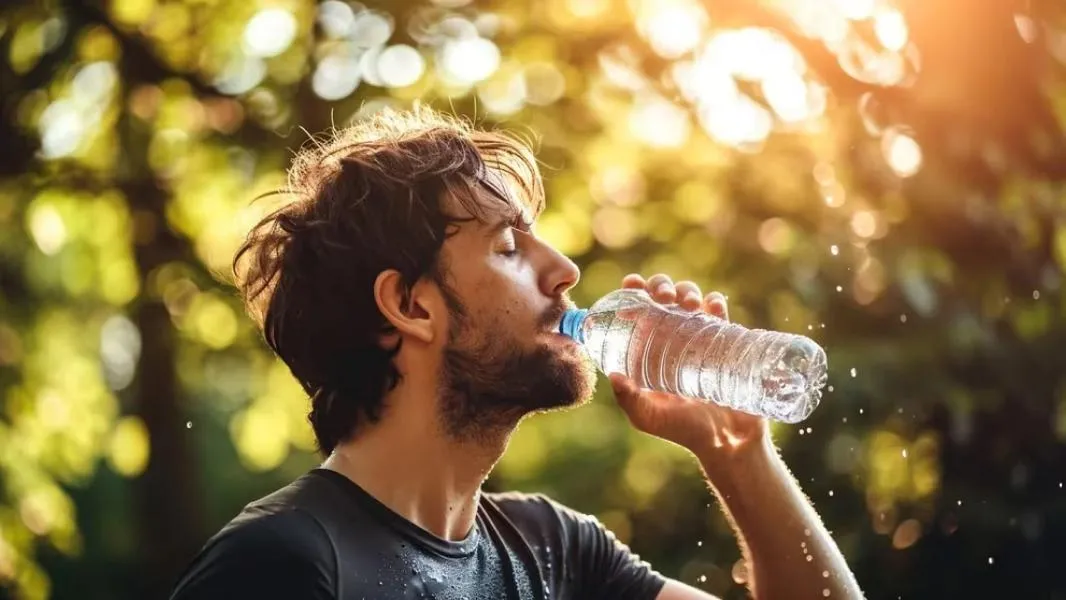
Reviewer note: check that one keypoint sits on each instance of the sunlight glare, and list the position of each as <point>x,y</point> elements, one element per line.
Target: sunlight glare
<point>270,32</point>
<point>659,123</point>
<point>674,30</point>
<point>752,53</point>
<point>469,60</point>
<point>788,96</point>
<point>891,29</point>
<point>738,123</point>
<point>856,10</point>
<point>704,82</point>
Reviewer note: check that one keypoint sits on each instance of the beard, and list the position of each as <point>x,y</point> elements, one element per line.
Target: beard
<point>489,384</point>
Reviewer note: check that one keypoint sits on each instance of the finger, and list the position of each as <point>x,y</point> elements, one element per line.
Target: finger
<point>689,296</point>
<point>715,303</point>
<point>637,407</point>
<point>633,280</point>
<point>625,391</point>
<point>661,288</point>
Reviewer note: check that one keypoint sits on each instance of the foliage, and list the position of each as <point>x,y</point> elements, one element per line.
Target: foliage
<point>884,177</point>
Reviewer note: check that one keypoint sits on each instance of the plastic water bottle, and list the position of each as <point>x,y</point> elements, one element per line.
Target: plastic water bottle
<point>666,348</point>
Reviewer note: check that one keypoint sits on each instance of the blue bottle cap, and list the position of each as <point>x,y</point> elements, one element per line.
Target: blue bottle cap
<point>570,324</point>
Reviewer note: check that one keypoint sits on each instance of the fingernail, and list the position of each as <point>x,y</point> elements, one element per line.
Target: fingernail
<point>662,288</point>
<point>691,297</point>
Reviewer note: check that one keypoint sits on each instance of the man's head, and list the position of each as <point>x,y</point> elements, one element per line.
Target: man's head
<point>408,257</point>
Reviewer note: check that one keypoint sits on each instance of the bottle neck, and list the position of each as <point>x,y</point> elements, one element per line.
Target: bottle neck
<point>570,325</point>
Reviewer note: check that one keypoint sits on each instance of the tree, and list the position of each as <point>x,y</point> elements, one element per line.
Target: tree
<point>846,170</point>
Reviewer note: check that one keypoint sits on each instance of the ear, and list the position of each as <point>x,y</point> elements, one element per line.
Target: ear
<point>413,318</point>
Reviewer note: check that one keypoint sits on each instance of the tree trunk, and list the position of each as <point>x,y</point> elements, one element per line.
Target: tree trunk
<point>169,508</point>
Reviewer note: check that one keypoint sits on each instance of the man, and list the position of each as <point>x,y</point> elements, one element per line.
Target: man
<point>407,290</point>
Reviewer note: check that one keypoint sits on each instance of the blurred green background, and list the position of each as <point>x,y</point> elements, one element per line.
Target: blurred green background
<point>885,176</point>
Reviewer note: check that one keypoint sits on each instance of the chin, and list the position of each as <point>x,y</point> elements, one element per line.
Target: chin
<point>581,374</point>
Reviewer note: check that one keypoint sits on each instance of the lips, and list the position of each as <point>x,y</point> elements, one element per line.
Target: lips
<point>553,318</point>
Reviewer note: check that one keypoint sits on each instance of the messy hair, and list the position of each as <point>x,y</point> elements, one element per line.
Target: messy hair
<point>366,199</point>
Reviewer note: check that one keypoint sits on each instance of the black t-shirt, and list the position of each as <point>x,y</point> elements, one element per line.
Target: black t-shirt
<point>323,537</point>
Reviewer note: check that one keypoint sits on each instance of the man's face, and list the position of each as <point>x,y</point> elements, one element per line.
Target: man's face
<point>504,357</point>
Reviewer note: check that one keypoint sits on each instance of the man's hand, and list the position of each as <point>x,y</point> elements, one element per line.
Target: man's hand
<point>701,426</point>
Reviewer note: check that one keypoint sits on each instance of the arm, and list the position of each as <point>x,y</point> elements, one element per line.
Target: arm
<point>777,529</point>
<point>788,550</point>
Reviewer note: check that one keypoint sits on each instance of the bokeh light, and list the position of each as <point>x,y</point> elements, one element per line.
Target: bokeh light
<point>902,152</point>
<point>469,60</point>
<point>269,32</point>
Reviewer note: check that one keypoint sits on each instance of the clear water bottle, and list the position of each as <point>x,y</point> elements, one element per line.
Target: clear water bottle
<point>772,374</point>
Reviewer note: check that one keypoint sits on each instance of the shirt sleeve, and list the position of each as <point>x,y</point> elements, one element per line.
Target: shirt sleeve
<point>608,568</point>
<point>595,564</point>
<point>281,556</point>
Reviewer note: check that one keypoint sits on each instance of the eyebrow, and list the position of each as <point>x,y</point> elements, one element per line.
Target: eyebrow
<point>510,221</point>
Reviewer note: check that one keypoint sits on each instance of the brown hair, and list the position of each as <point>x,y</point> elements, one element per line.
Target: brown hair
<point>369,198</point>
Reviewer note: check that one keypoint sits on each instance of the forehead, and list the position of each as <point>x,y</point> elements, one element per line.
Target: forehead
<point>489,199</point>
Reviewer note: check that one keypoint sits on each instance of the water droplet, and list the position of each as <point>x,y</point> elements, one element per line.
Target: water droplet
<point>825,574</point>
<point>808,430</point>
<point>860,411</point>
<point>703,579</point>
<point>826,592</point>
<point>830,388</point>
<point>830,493</point>
<point>903,318</point>
<point>188,424</point>
<point>854,372</point>
<point>809,558</point>
<point>801,431</point>
<point>834,250</point>
<point>740,571</point>
<point>810,328</point>
<point>840,288</point>
<point>873,114</point>
<point>823,325</point>
<point>904,453</point>
<point>959,502</point>
<point>991,560</point>
<point>1060,485</point>
<point>806,532</point>
<point>700,543</point>
<point>1036,294</point>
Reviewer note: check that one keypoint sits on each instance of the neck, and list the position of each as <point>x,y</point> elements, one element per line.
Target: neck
<point>411,466</point>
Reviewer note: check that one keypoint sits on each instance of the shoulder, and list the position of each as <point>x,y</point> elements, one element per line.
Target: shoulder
<point>291,531</point>
<point>282,550</point>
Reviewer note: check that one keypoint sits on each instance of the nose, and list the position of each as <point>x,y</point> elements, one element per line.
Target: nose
<point>559,273</point>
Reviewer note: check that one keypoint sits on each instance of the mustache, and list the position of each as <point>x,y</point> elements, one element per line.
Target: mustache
<point>555,313</point>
